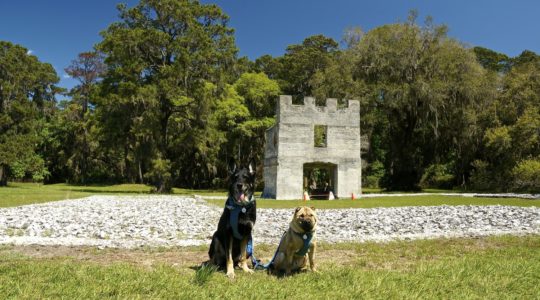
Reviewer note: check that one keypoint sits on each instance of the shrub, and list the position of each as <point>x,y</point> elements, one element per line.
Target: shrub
<point>526,176</point>
<point>160,175</point>
<point>437,176</point>
<point>480,176</point>
<point>374,173</point>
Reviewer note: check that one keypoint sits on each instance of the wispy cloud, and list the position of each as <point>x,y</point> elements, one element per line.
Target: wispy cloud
<point>29,52</point>
<point>66,76</point>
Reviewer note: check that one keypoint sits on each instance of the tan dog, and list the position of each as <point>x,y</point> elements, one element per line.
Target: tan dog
<point>300,238</point>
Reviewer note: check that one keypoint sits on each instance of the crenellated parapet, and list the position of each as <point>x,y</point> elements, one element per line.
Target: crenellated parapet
<point>285,104</point>
<point>310,113</point>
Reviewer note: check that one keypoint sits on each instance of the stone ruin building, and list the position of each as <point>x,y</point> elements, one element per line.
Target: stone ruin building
<point>308,137</point>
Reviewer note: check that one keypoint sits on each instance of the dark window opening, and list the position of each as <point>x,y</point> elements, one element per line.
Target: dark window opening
<point>320,180</point>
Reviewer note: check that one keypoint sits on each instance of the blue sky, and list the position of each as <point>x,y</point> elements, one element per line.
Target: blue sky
<point>57,30</point>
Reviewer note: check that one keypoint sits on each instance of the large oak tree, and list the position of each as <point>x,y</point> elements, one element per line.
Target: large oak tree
<point>168,61</point>
<point>27,89</point>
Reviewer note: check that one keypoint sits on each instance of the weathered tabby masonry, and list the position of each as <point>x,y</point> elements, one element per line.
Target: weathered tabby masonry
<point>290,146</point>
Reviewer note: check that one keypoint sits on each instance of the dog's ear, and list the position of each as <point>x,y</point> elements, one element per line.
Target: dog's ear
<point>297,209</point>
<point>312,208</point>
<point>231,166</point>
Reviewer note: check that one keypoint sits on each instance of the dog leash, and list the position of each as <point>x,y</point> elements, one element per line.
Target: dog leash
<point>257,265</point>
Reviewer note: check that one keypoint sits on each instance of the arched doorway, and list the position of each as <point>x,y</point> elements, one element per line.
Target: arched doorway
<point>320,179</point>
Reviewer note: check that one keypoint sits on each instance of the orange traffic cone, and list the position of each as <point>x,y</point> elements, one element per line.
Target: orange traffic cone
<point>353,196</point>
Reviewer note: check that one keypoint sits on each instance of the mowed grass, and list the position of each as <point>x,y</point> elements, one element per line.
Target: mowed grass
<point>427,200</point>
<point>504,267</point>
<point>29,193</point>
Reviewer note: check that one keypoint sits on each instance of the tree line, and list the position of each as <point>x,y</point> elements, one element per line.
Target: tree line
<point>164,99</point>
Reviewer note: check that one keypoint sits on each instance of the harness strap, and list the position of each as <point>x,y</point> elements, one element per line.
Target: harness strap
<point>306,238</point>
<point>236,209</point>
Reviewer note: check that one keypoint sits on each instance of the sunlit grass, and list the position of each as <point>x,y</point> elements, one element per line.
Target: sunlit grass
<point>427,200</point>
<point>489,268</point>
<point>29,193</point>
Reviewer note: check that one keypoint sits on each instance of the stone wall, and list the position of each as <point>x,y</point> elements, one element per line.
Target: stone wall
<point>290,144</point>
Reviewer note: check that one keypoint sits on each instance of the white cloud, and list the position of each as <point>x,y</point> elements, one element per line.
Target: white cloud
<point>29,52</point>
<point>66,76</point>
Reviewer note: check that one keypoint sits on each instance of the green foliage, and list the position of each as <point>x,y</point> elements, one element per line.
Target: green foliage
<point>244,114</point>
<point>26,94</point>
<point>375,172</point>
<point>160,175</point>
<point>526,176</point>
<point>526,57</point>
<point>513,139</point>
<point>33,166</point>
<point>437,176</point>
<point>259,92</point>
<point>302,61</point>
<point>320,134</point>
<point>481,177</point>
<point>163,99</point>
<point>498,141</point>
<point>424,84</point>
<point>492,60</point>
<point>168,62</point>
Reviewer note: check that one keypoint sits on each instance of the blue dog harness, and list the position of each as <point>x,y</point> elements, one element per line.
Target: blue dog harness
<point>306,237</point>
<point>236,209</point>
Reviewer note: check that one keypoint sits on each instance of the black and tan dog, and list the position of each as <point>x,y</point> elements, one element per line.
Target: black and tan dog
<point>228,247</point>
<point>297,244</point>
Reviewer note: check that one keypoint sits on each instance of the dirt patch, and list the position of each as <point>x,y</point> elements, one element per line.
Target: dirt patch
<point>390,256</point>
<point>176,257</point>
<point>181,257</point>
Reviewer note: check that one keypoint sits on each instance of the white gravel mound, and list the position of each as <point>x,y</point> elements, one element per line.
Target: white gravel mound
<point>134,221</point>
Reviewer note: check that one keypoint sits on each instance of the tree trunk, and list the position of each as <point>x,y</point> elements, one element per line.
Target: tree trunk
<point>164,132</point>
<point>141,179</point>
<point>3,175</point>
<point>163,187</point>
<point>85,154</point>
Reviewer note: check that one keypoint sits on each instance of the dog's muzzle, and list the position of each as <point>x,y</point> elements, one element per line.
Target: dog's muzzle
<point>306,225</point>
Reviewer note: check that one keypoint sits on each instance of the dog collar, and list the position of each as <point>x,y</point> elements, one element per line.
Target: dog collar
<point>236,209</point>
<point>306,238</point>
<point>231,204</point>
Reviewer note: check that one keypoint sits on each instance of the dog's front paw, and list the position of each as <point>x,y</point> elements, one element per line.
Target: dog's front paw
<point>245,268</point>
<point>314,270</point>
<point>230,275</point>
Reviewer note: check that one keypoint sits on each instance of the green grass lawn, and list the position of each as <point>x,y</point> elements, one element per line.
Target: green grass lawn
<point>487,268</point>
<point>490,268</point>
<point>28,193</point>
<point>428,200</point>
